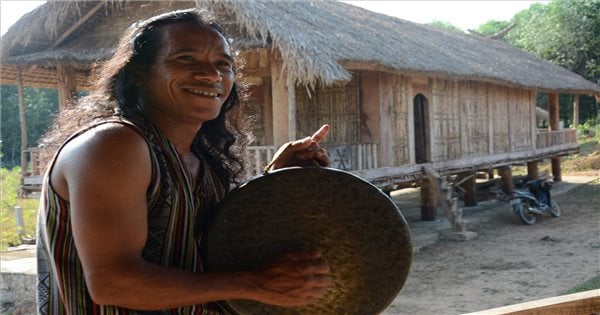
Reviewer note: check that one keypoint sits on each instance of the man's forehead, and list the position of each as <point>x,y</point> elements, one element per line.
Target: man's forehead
<point>188,28</point>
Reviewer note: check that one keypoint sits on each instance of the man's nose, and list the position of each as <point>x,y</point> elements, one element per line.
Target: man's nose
<point>207,72</point>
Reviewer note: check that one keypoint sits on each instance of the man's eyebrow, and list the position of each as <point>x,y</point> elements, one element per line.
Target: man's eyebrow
<point>189,50</point>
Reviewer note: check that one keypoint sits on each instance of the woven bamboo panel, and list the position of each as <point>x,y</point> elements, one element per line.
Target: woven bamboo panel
<point>336,105</point>
<point>360,231</point>
<point>400,120</point>
<point>520,103</point>
<point>253,111</point>
<point>498,99</point>
<point>446,120</point>
<point>473,100</point>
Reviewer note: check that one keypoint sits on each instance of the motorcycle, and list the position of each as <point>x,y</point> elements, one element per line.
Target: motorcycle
<point>528,205</point>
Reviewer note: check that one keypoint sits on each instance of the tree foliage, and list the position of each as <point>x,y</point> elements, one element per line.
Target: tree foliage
<point>41,106</point>
<point>564,32</point>
<point>445,25</point>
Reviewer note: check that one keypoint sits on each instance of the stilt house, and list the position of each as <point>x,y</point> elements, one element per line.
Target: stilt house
<point>398,95</point>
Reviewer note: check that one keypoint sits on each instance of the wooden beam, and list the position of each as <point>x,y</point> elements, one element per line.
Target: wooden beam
<point>267,110</point>
<point>280,102</point>
<point>576,110</point>
<point>71,29</point>
<point>292,113</point>
<point>553,111</point>
<point>554,125</point>
<point>587,302</point>
<point>66,86</point>
<point>470,191</point>
<point>532,170</point>
<point>77,24</point>
<point>507,179</point>
<point>23,122</point>
<point>556,172</point>
<point>428,200</point>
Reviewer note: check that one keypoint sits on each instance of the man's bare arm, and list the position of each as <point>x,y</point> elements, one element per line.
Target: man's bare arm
<point>105,174</point>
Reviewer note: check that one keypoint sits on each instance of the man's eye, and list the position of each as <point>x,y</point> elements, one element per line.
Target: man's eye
<point>224,64</point>
<point>185,58</point>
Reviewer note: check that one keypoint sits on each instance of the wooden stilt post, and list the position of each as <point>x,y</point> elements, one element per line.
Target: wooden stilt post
<point>66,86</point>
<point>281,99</point>
<point>490,173</point>
<point>470,191</point>
<point>23,122</point>
<point>532,170</point>
<point>576,110</point>
<point>554,126</point>
<point>556,173</point>
<point>428,200</point>
<point>507,179</point>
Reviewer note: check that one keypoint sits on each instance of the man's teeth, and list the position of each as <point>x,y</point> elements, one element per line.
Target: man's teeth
<point>201,92</point>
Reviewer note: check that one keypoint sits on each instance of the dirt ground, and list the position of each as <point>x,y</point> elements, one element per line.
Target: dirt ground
<point>508,262</point>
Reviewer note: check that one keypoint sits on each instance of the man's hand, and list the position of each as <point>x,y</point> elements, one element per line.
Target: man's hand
<point>303,152</point>
<point>293,280</point>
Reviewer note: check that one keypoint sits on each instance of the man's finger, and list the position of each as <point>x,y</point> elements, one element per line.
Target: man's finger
<point>320,134</point>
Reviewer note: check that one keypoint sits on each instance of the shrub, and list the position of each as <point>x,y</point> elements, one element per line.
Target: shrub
<point>10,181</point>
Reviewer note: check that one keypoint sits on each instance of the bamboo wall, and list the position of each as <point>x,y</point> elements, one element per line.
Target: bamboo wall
<point>336,105</point>
<point>472,119</point>
<point>520,104</point>
<point>446,116</point>
<point>400,120</point>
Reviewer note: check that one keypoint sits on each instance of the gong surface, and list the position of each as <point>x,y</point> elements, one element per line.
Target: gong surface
<point>363,237</point>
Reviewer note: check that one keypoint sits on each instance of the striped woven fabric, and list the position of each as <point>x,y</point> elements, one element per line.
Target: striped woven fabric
<point>175,203</point>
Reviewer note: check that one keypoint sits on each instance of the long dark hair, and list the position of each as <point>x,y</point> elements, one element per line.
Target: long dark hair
<point>116,93</point>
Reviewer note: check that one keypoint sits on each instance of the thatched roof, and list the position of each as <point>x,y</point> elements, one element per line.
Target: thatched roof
<point>319,42</point>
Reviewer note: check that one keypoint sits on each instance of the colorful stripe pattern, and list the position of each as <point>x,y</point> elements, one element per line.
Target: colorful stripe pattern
<point>175,201</point>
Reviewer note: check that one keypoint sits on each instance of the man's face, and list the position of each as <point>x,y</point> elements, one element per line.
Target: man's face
<point>191,76</point>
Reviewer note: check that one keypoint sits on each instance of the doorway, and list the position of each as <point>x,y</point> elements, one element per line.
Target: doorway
<point>420,112</point>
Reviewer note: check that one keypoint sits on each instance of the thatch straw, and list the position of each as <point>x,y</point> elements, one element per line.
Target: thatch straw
<point>319,42</point>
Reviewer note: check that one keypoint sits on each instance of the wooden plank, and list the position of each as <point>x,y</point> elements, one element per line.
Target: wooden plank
<point>75,26</point>
<point>587,302</point>
<point>575,110</point>
<point>23,123</point>
<point>280,102</point>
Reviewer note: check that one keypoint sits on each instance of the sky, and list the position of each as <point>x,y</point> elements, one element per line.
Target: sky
<point>466,14</point>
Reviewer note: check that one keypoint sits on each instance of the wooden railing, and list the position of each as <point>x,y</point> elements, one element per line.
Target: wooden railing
<point>35,169</point>
<point>553,138</point>
<point>259,157</point>
<point>354,157</point>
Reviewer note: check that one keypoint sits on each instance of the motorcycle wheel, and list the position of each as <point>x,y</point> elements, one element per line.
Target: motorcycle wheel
<point>526,216</point>
<point>554,209</point>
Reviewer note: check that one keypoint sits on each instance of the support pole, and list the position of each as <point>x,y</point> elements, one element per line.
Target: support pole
<point>470,191</point>
<point>23,122</point>
<point>507,179</point>
<point>556,173</point>
<point>576,110</point>
<point>281,108</point>
<point>428,200</point>
<point>554,126</point>
<point>532,170</point>
<point>66,86</point>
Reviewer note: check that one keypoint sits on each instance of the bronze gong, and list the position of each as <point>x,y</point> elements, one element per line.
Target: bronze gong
<point>362,234</point>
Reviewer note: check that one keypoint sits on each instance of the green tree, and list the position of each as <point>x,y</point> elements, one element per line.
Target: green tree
<point>445,25</point>
<point>41,106</point>
<point>492,27</point>
<point>566,33</point>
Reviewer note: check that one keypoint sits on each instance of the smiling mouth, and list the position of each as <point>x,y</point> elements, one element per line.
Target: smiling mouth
<point>202,92</point>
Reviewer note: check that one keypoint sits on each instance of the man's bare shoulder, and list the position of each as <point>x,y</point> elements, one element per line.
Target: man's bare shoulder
<point>108,153</point>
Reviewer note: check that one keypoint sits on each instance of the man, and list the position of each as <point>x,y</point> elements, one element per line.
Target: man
<point>121,215</point>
